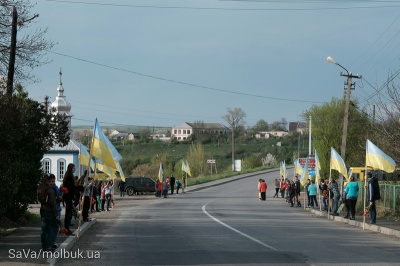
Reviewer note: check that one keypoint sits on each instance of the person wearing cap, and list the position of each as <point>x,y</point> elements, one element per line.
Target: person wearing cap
<point>374,194</point>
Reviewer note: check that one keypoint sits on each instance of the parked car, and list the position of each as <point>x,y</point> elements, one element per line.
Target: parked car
<point>135,185</point>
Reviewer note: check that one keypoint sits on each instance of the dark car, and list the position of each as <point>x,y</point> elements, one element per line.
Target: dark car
<point>134,185</point>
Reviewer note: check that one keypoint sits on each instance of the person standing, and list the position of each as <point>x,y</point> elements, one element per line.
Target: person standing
<point>297,191</point>
<point>336,195</point>
<point>48,212</point>
<point>59,209</point>
<point>282,187</point>
<point>172,183</point>
<point>276,188</point>
<point>308,194</point>
<point>351,197</point>
<point>374,195</point>
<point>178,185</point>
<point>312,192</point>
<point>121,186</point>
<point>324,192</point>
<point>69,183</point>
<point>86,200</point>
<point>159,188</point>
<point>165,187</point>
<point>263,189</point>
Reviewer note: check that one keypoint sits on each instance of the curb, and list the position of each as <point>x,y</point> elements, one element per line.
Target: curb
<point>69,242</point>
<point>370,227</point>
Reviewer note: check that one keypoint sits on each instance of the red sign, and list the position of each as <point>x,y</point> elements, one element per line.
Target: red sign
<point>311,162</point>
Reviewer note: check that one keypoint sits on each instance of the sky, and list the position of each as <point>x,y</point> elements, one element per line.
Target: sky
<point>165,62</point>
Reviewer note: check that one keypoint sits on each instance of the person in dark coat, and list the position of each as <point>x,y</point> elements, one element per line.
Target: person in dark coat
<point>121,186</point>
<point>172,183</point>
<point>374,195</point>
<point>48,212</point>
<point>69,183</point>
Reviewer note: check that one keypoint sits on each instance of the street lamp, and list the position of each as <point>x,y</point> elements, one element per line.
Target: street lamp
<point>346,110</point>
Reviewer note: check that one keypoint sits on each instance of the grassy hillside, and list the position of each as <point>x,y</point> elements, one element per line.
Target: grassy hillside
<point>136,153</point>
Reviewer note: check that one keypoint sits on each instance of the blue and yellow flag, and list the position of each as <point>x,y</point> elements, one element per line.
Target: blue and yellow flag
<point>121,173</point>
<point>317,168</point>
<point>103,149</point>
<point>84,157</point>
<point>338,164</point>
<point>283,169</point>
<point>160,172</point>
<point>297,167</point>
<point>304,174</point>
<point>188,168</point>
<point>377,159</point>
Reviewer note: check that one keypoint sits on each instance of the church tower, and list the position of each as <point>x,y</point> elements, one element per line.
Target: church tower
<point>61,105</point>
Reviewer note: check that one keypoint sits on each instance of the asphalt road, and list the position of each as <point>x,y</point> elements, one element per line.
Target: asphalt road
<point>227,225</point>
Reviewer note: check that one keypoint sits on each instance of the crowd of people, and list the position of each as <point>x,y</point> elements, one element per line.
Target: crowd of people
<point>169,183</point>
<point>331,197</point>
<point>83,194</point>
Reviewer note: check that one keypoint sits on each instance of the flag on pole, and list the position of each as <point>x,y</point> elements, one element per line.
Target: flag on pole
<point>304,174</point>
<point>160,172</point>
<point>121,173</point>
<point>297,167</point>
<point>103,149</point>
<point>337,163</point>
<point>377,159</point>
<point>84,156</point>
<point>184,167</point>
<point>283,169</point>
<point>317,168</point>
<point>188,168</point>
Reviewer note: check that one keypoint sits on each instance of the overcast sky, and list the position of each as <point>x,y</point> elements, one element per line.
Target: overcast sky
<point>162,62</point>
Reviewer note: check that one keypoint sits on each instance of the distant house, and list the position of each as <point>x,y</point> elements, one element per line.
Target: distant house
<point>161,134</point>
<point>185,130</point>
<point>133,135</point>
<point>118,135</point>
<point>270,134</point>
<point>300,127</point>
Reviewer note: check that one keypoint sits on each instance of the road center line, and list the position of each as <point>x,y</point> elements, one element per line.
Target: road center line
<point>235,230</point>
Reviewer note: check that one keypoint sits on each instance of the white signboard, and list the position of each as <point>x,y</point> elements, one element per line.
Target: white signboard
<point>238,165</point>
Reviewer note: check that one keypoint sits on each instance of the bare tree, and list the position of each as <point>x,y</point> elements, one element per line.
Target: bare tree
<point>387,121</point>
<point>31,45</point>
<point>235,117</point>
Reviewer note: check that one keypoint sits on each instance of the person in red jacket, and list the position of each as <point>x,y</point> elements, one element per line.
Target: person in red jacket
<point>263,189</point>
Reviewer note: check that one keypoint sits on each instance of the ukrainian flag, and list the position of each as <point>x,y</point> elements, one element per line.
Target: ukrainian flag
<point>297,167</point>
<point>338,164</point>
<point>103,149</point>
<point>160,172</point>
<point>377,159</point>
<point>304,175</point>
<point>188,168</point>
<point>84,157</point>
<point>317,168</point>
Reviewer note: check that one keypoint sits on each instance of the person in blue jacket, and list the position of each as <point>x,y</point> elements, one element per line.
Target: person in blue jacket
<point>351,197</point>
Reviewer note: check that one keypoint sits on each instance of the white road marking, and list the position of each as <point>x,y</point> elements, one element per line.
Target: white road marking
<point>235,230</point>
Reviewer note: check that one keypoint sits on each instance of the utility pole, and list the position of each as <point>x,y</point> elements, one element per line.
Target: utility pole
<point>46,103</point>
<point>346,110</point>
<point>13,49</point>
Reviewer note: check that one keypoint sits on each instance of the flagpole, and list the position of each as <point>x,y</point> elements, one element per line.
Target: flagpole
<point>365,195</point>
<point>84,190</point>
<point>329,193</point>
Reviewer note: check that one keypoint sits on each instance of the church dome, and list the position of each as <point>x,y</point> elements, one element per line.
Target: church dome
<point>61,105</point>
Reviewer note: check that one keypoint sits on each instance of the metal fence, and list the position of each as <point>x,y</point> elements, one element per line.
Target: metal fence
<point>390,197</point>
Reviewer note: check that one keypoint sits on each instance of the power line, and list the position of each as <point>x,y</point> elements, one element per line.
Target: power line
<point>220,8</point>
<point>182,82</point>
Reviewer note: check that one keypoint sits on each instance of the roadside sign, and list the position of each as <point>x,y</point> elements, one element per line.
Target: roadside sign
<point>211,161</point>
<point>311,162</point>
